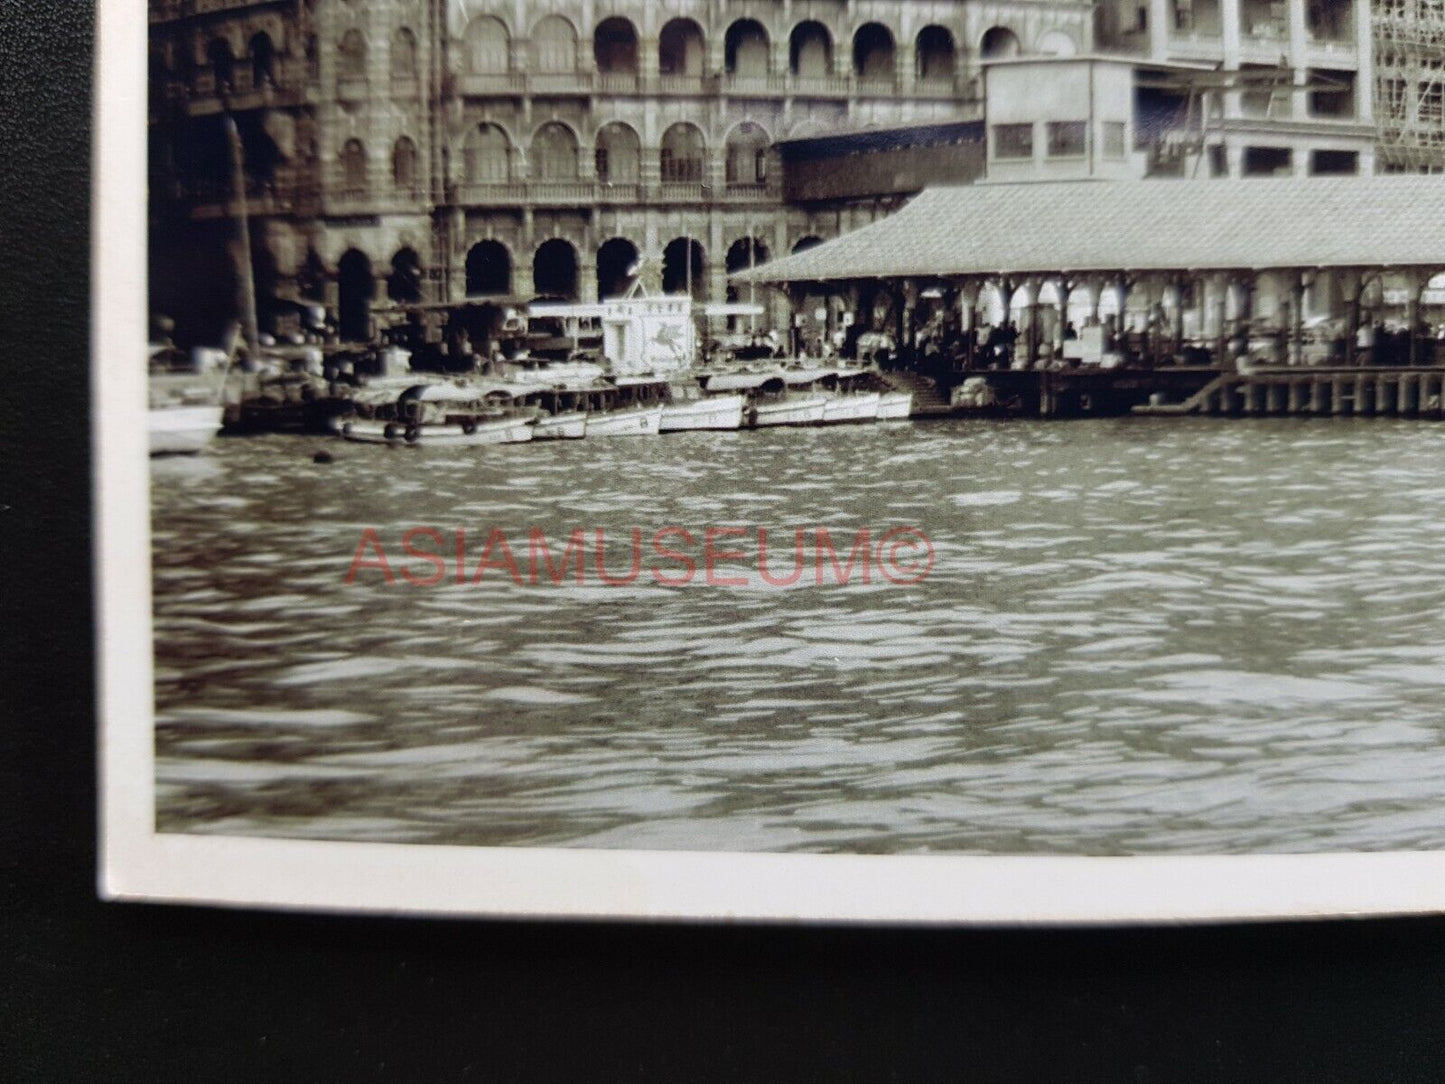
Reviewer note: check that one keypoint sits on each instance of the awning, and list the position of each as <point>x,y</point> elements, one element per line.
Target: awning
<point>1156,225</point>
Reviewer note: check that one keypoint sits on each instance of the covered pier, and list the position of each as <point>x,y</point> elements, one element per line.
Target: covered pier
<point>1219,283</point>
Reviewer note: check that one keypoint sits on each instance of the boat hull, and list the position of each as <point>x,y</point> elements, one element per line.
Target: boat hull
<point>642,422</point>
<point>841,409</point>
<point>504,431</point>
<point>715,412</point>
<point>804,410</point>
<point>182,430</point>
<point>895,406</point>
<point>569,426</point>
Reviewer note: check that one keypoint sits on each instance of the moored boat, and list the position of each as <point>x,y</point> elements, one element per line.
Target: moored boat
<point>463,434</point>
<point>639,421</point>
<point>788,409</point>
<point>568,425</point>
<point>895,406</point>
<point>709,412</point>
<point>185,407</point>
<point>851,407</point>
<point>182,429</point>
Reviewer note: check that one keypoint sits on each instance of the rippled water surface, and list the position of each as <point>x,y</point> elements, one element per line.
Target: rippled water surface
<point>1138,636</point>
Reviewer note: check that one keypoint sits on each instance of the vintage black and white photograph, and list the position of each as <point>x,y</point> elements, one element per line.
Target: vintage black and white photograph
<point>638,434</point>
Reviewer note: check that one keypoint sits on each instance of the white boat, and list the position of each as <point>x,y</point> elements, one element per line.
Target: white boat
<point>453,435</point>
<point>895,406</point>
<point>182,429</point>
<point>185,407</point>
<point>568,425</point>
<point>709,412</point>
<point>627,422</point>
<point>793,409</point>
<point>851,407</point>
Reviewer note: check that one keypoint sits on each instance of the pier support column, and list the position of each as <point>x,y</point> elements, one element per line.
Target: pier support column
<point>1317,396</point>
<point>1337,395</point>
<point>1296,397</point>
<point>1405,397</point>
<point>1382,395</point>
<point>1361,391</point>
<point>1273,394</point>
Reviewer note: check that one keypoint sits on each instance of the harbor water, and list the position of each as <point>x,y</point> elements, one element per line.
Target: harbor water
<point>1137,636</point>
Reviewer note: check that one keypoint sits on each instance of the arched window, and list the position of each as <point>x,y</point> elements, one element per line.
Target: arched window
<point>684,268</point>
<point>810,51</point>
<point>353,55</point>
<point>681,49</point>
<point>619,155</point>
<point>873,52</point>
<point>404,282</point>
<point>263,61</point>
<point>616,265</point>
<point>683,153</point>
<point>554,270</point>
<point>222,61</point>
<point>614,44</point>
<point>489,269</point>
<point>937,56</point>
<point>403,54</point>
<point>747,156</point>
<point>356,287</point>
<point>554,153</point>
<point>746,49</point>
<point>403,163</point>
<point>353,166</point>
<point>489,46</point>
<point>999,42</point>
<point>812,240</point>
<point>487,156</point>
<point>554,45</point>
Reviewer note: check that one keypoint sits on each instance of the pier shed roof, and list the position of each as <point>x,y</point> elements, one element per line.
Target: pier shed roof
<point>1137,226</point>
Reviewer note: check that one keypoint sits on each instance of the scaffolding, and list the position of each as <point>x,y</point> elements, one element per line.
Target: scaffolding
<point>1409,55</point>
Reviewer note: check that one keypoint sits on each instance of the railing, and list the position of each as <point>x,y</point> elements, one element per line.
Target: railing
<point>283,84</point>
<point>482,84</point>
<point>617,83</point>
<point>765,85</point>
<point>564,83</point>
<point>820,86</point>
<point>873,86</point>
<point>405,86</point>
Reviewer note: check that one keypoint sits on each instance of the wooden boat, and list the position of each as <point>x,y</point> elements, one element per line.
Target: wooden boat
<point>895,406</point>
<point>705,413</point>
<point>464,434</point>
<point>567,425</point>
<point>182,429</point>
<point>638,421</point>
<point>459,414</point>
<point>185,407</point>
<point>851,407</point>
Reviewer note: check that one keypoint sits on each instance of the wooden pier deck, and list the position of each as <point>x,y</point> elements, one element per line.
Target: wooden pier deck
<point>1353,392</point>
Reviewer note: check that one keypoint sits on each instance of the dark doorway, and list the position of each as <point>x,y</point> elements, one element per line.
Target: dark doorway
<point>615,262</point>
<point>684,268</point>
<point>489,269</point>
<point>404,282</point>
<point>554,270</point>
<point>356,287</point>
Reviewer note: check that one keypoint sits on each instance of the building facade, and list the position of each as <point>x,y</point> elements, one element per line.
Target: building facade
<point>439,149</point>
<point>434,150</point>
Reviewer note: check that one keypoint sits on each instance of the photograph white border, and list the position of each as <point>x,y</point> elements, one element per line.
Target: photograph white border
<point>137,863</point>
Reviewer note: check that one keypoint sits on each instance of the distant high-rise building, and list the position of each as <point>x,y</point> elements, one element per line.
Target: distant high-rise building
<point>1409,55</point>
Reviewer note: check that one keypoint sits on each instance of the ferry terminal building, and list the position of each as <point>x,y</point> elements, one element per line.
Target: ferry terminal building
<point>435,150</point>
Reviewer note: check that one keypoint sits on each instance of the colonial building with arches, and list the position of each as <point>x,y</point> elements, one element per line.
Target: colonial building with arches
<point>438,149</point>
<point>517,148</point>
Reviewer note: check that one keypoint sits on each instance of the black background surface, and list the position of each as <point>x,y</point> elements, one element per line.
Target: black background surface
<point>90,991</point>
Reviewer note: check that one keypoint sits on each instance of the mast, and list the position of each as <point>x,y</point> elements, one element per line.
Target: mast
<point>243,228</point>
